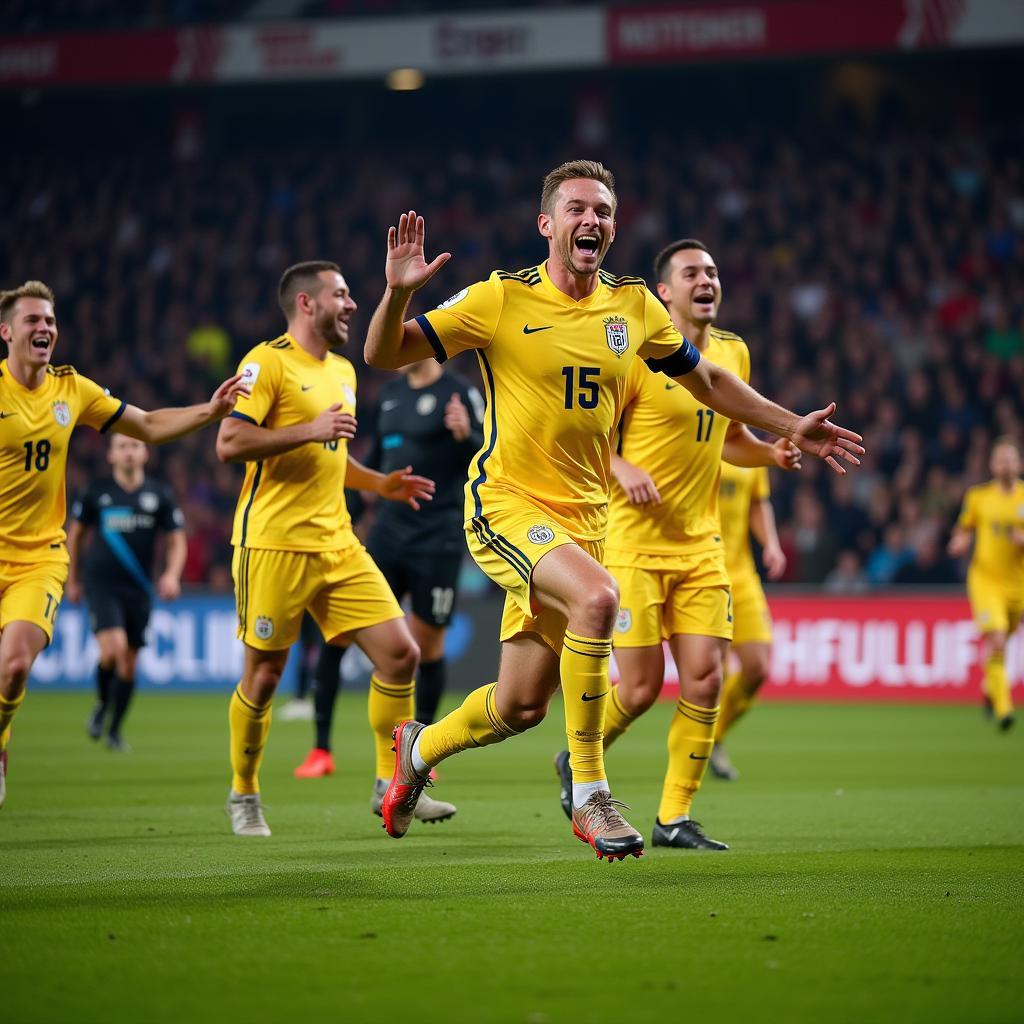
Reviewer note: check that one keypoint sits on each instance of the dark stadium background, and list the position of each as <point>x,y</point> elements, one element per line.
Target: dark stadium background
<point>866,207</point>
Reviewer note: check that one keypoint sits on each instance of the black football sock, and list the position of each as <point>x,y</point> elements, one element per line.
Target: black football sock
<point>429,687</point>
<point>121,697</point>
<point>328,679</point>
<point>104,680</point>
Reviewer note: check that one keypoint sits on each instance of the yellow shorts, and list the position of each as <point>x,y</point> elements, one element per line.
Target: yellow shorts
<point>343,591</point>
<point>31,592</point>
<point>752,621</point>
<point>995,610</point>
<point>506,542</point>
<point>662,596</point>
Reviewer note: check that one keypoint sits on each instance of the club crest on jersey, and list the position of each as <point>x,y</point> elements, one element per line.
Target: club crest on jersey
<point>624,621</point>
<point>263,627</point>
<point>426,404</point>
<point>541,534</point>
<point>61,413</point>
<point>148,501</point>
<point>616,332</point>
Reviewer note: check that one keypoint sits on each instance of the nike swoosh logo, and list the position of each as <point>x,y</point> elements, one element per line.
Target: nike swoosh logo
<point>673,834</point>
<point>251,751</point>
<point>669,387</point>
<point>533,330</point>
<point>306,387</point>
<point>5,415</point>
<point>696,757</point>
<point>587,696</point>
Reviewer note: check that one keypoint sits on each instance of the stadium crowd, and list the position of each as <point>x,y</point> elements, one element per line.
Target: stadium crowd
<point>887,274</point>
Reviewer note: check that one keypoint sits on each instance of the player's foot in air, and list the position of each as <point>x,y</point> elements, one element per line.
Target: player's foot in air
<point>684,835</point>
<point>427,808</point>
<point>398,806</point>
<point>1006,722</point>
<point>246,814</point>
<point>318,763</point>
<point>599,823</point>
<point>118,745</point>
<point>3,778</point>
<point>94,723</point>
<point>565,782</point>
<point>721,765</point>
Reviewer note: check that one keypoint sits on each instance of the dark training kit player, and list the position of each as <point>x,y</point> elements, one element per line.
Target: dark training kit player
<point>127,511</point>
<point>431,419</point>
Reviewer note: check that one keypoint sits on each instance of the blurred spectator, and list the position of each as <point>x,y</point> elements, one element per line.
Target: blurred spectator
<point>848,577</point>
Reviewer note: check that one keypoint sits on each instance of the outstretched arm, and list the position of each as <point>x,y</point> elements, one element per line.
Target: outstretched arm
<point>399,485</point>
<point>163,425</point>
<point>391,341</point>
<point>743,449</point>
<point>815,433</point>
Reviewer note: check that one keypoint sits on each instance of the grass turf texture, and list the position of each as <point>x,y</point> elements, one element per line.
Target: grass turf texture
<point>876,874</point>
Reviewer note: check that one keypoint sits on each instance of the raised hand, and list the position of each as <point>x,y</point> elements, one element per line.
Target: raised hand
<point>331,425</point>
<point>456,418</point>
<point>786,455</point>
<point>226,395</point>
<point>817,435</point>
<point>406,268</point>
<point>401,485</point>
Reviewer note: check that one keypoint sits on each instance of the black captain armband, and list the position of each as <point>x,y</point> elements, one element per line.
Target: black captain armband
<point>681,362</point>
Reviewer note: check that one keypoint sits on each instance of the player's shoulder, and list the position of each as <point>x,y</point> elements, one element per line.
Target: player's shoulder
<point>340,362</point>
<point>65,370</point>
<point>726,337</point>
<point>528,277</point>
<point>614,282</point>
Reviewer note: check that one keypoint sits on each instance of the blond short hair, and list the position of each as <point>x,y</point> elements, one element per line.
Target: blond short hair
<point>29,290</point>
<point>592,169</point>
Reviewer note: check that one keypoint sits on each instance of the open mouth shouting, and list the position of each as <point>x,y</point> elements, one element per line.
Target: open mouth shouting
<point>587,243</point>
<point>41,343</point>
<point>704,301</point>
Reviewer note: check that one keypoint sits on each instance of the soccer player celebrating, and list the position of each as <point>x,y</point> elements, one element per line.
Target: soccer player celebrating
<point>294,546</point>
<point>745,508</point>
<point>665,547</point>
<point>993,514</point>
<point>129,511</point>
<point>40,405</point>
<point>555,344</point>
<point>430,419</point>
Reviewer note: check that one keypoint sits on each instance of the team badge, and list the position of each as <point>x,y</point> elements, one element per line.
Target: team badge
<point>61,413</point>
<point>148,501</point>
<point>457,297</point>
<point>426,404</point>
<point>541,534</point>
<point>350,395</point>
<point>616,332</point>
<point>624,621</point>
<point>249,374</point>
<point>263,627</point>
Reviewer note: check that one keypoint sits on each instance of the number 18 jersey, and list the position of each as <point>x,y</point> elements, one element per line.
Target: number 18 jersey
<point>554,372</point>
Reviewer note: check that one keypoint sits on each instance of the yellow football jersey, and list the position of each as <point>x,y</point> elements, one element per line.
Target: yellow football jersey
<point>738,488</point>
<point>666,432</point>
<point>993,514</point>
<point>35,432</point>
<point>554,373</point>
<point>294,501</point>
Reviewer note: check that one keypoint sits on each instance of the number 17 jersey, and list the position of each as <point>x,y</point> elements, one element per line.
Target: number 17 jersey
<point>554,372</point>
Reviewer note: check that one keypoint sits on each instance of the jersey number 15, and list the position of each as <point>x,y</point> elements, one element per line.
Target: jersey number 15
<point>583,388</point>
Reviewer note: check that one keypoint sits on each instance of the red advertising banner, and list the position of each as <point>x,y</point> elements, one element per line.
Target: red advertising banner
<point>702,32</point>
<point>882,647</point>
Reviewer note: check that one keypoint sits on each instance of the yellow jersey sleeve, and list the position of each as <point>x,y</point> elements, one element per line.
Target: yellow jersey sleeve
<point>261,372</point>
<point>761,488</point>
<point>664,348</point>
<point>98,408</point>
<point>969,513</point>
<point>468,320</point>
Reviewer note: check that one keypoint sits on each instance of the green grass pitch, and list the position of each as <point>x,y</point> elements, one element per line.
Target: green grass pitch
<point>876,875</point>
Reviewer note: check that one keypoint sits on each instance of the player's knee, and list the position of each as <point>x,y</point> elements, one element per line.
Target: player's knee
<point>401,661</point>
<point>705,689</point>
<point>757,671</point>
<point>526,716</point>
<point>597,608</point>
<point>640,696</point>
<point>265,678</point>
<point>14,669</point>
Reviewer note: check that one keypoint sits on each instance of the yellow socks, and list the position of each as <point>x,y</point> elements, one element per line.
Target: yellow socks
<point>475,723</point>
<point>585,690</point>
<point>8,709</point>
<point>616,718</point>
<point>389,704</point>
<point>736,702</point>
<point>690,739</point>
<point>997,685</point>
<point>249,728</point>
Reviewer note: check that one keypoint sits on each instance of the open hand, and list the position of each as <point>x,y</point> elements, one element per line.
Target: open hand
<point>406,268</point>
<point>401,485</point>
<point>786,454</point>
<point>817,435</point>
<point>226,395</point>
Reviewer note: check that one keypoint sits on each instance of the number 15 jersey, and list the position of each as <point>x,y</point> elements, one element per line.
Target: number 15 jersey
<point>554,372</point>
